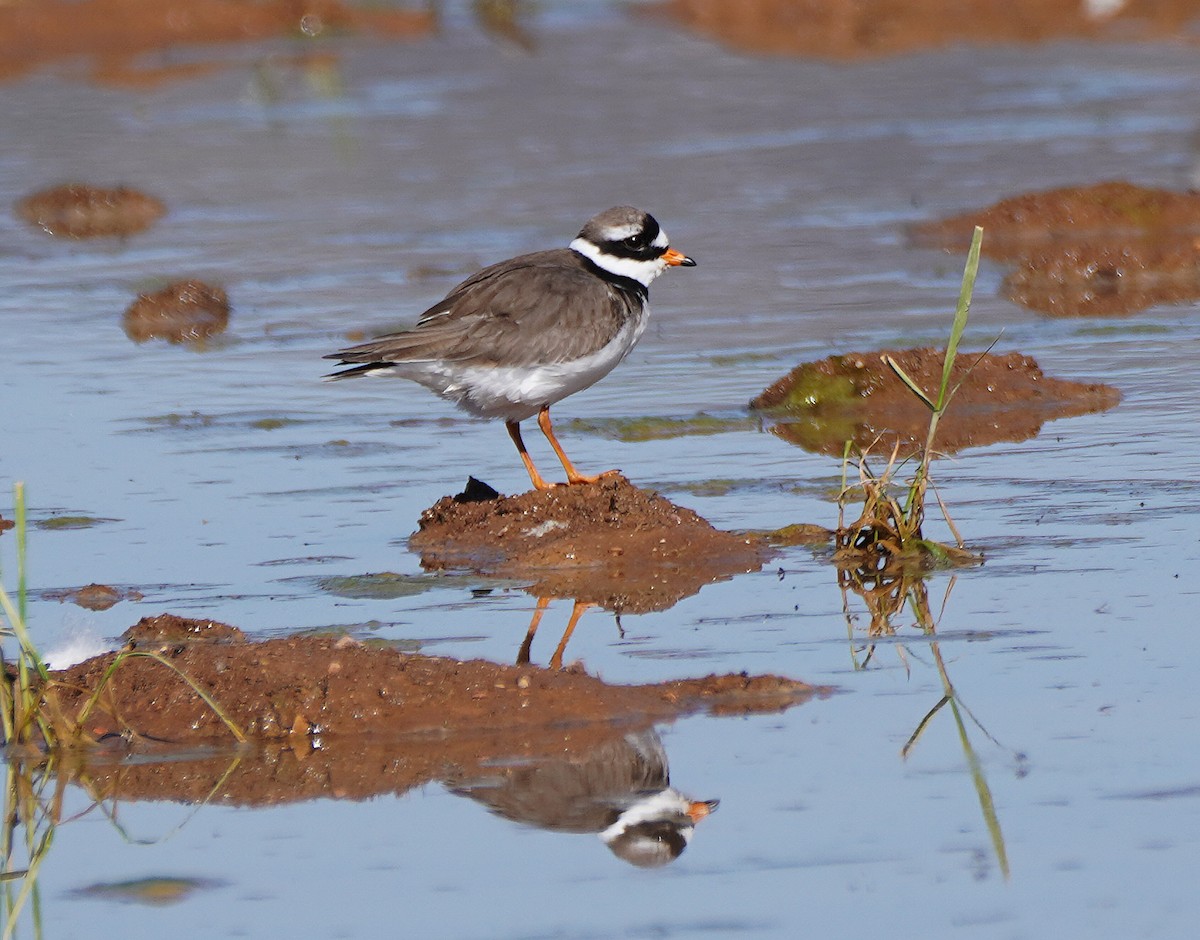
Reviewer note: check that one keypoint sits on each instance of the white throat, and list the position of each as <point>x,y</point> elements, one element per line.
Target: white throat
<point>666,804</point>
<point>641,271</point>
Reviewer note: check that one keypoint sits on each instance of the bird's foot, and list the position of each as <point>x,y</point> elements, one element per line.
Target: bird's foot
<point>577,478</point>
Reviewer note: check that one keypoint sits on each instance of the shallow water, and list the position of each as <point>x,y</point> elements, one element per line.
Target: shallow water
<point>326,204</point>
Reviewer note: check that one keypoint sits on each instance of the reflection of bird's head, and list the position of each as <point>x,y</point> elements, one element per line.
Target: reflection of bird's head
<point>655,829</point>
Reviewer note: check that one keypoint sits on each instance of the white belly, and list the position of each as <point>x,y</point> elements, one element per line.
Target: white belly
<point>518,392</point>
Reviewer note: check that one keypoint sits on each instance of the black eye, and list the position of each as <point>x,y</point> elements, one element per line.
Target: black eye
<point>636,241</point>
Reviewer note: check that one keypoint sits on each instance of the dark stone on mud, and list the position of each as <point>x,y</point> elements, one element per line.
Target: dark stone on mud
<point>476,491</point>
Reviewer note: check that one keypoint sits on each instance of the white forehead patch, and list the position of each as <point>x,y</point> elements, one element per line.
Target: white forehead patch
<point>618,233</point>
<point>661,240</point>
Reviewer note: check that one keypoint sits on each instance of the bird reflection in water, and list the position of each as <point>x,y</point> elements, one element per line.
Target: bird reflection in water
<point>619,789</point>
<point>556,659</point>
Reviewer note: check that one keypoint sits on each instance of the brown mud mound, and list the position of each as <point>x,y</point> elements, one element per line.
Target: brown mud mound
<point>79,210</point>
<point>113,33</point>
<point>297,688</point>
<point>607,543</point>
<point>167,631</point>
<point>857,397</point>
<point>1110,249</point>
<point>849,29</point>
<point>183,312</point>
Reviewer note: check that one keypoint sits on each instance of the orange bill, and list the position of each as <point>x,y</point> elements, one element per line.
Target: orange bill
<point>677,258</point>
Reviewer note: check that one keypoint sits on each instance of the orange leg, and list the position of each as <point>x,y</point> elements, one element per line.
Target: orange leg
<point>576,613</point>
<point>514,431</point>
<point>523,652</point>
<point>573,475</point>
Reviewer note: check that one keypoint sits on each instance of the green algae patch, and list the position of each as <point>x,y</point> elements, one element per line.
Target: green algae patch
<point>798,533</point>
<point>382,585</point>
<point>740,359</point>
<point>274,424</point>
<point>715,487</point>
<point>194,419</point>
<point>71,522</point>
<point>657,428</point>
<point>831,383</point>
<point>155,891</point>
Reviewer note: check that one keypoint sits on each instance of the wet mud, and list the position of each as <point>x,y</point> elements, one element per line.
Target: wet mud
<point>1110,249</point>
<point>846,29</point>
<point>111,34</point>
<point>80,210</point>
<point>608,543</point>
<point>857,397</point>
<point>309,691</point>
<point>182,312</point>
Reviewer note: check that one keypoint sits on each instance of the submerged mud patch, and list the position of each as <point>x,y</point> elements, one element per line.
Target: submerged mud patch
<point>113,33</point>
<point>847,29</point>
<point>80,210</point>
<point>182,312</point>
<point>1110,249</point>
<point>856,397</point>
<point>608,543</point>
<point>94,596</point>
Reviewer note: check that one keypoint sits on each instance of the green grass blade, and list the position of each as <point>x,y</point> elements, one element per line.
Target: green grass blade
<point>960,315</point>
<point>983,791</point>
<point>22,529</point>
<point>29,882</point>
<point>907,380</point>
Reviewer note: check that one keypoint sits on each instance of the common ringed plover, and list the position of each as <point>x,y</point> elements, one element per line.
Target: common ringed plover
<point>518,336</point>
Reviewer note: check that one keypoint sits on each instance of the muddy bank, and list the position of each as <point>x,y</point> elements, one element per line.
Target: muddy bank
<point>301,689</point>
<point>857,397</point>
<point>608,543</point>
<point>847,29</point>
<point>1110,249</point>
<point>111,34</point>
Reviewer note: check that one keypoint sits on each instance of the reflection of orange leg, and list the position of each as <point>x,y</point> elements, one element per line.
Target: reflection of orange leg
<point>523,653</point>
<point>576,613</point>
<point>573,475</point>
<point>514,431</point>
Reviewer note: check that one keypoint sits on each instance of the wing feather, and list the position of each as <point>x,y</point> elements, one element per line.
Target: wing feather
<point>541,308</point>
